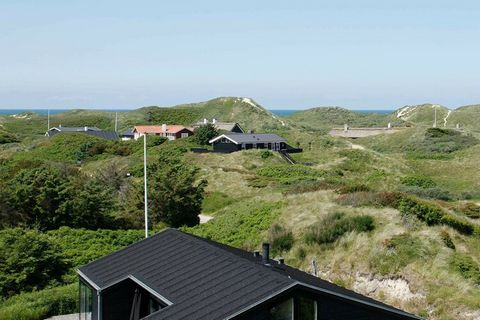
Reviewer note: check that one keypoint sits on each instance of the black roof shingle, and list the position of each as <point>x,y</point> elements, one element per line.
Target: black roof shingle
<point>204,279</point>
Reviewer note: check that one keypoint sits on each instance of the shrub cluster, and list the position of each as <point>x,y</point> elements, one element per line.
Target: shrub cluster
<point>288,174</point>
<point>470,210</point>
<point>466,266</point>
<point>447,240</point>
<point>398,252</point>
<point>335,225</point>
<point>281,240</point>
<point>433,215</point>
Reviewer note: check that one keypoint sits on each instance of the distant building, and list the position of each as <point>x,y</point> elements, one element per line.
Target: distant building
<point>92,131</point>
<point>127,135</point>
<point>230,142</point>
<point>172,132</point>
<point>178,276</point>
<point>222,126</point>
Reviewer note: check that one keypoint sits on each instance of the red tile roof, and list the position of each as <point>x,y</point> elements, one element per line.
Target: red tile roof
<point>173,128</point>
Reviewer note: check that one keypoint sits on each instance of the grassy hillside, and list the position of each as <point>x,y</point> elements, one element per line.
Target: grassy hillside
<point>245,111</point>
<point>328,117</point>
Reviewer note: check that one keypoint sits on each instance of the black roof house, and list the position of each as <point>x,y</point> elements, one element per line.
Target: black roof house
<point>173,275</point>
<point>92,131</point>
<point>232,141</point>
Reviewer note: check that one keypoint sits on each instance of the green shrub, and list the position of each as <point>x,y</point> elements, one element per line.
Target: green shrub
<point>466,266</point>
<point>447,240</point>
<point>398,252</point>
<point>424,211</point>
<point>42,304</point>
<point>457,224</point>
<point>28,261</point>
<point>203,134</point>
<point>353,188</point>
<point>429,193</point>
<point>281,240</point>
<point>6,137</point>
<point>266,154</point>
<point>418,181</point>
<point>335,225</point>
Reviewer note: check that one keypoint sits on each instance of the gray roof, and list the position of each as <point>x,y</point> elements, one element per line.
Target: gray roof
<point>93,131</point>
<point>204,280</point>
<point>239,138</point>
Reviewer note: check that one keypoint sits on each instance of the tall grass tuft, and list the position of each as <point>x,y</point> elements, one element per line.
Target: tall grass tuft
<point>335,225</point>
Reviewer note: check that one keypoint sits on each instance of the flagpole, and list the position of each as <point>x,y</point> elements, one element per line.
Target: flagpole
<point>145,181</point>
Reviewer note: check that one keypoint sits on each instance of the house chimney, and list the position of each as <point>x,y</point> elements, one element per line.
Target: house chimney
<point>266,253</point>
<point>256,253</point>
<point>281,260</point>
<point>214,120</point>
<point>205,121</point>
<point>389,126</point>
<point>164,127</point>
<point>345,127</point>
<point>85,128</point>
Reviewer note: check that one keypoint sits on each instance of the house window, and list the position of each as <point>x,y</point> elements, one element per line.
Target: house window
<point>86,301</point>
<point>306,308</point>
<point>184,134</point>
<point>282,311</point>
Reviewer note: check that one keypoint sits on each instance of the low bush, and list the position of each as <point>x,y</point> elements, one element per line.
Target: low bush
<point>398,252</point>
<point>447,240</point>
<point>266,154</point>
<point>457,224</point>
<point>418,181</point>
<point>281,240</point>
<point>422,210</point>
<point>466,266</point>
<point>335,225</point>
<point>429,193</point>
<point>349,188</point>
<point>469,209</point>
<point>42,304</point>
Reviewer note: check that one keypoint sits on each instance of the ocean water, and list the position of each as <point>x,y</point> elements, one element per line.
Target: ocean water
<point>52,111</point>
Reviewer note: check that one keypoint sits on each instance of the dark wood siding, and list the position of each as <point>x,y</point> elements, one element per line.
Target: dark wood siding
<point>225,147</point>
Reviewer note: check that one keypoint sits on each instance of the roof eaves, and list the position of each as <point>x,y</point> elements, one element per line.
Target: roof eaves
<point>222,136</point>
<point>371,304</point>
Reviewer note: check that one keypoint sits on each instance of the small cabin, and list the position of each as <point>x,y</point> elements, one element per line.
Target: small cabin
<point>171,132</point>
<point>91,131</point>
<point>230,142</point>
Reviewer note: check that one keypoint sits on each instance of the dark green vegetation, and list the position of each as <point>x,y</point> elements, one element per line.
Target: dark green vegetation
<point>335,225</point>
<point>203,134</point>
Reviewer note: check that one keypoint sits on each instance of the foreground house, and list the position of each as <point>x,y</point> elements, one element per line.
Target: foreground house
<point>222,126</point>
<point>230,142</point>
<point>172,132</point>
<point>173,275</point>
<point>92,131</point>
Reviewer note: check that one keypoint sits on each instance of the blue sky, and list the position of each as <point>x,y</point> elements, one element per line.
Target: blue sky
<point>283,54</point>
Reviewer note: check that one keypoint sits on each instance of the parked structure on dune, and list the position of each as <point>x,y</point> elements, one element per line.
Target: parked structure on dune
<point>127,135</point>
<point>354,133</point>
<point>174,275</point>
<point>92,131</point>
<point>230,142</point>
<point>172,132</point>
<point>221,126</point>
